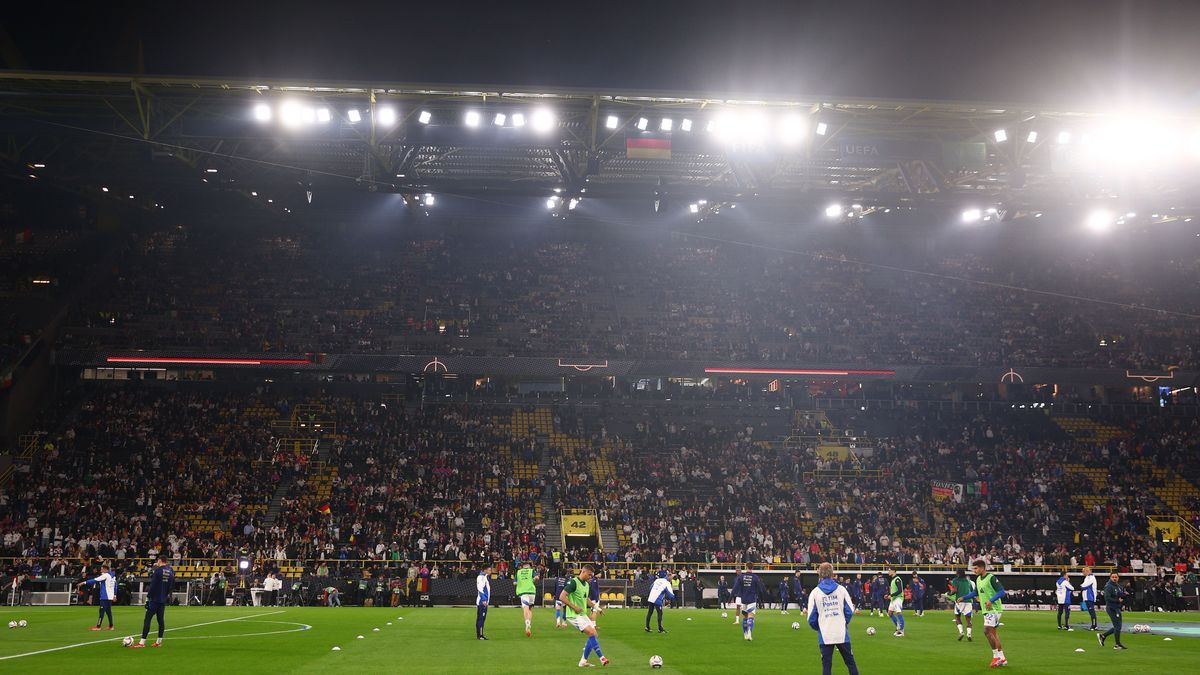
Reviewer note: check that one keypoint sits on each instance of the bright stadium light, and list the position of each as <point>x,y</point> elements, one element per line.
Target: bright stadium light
<point>292,114</point>
<point>694,208</point>
<point>833,211</point>
<point>424,117</point>
<point>1000,135</point>
<point>354,115</point>
<point>711,126</point>
<point>387,116</point>
<point>685,125</point>
<point>1032,137</point>
<point>666,124</point>
<point>791,129</point>
<point>611,122</point>
<point>822,128</point>
<point>972,215</point>
<point>542,120</point>
<point>428,199</point>
<point>1099,220</point>
<point>262,112</point>
<point>471,118</point>
<point>1064,137</point>
<point>498,120</point>
<point>642,123</point>
<point>551,203</point>
<point>518,120</point>
<point>753,127</point>
<point>573,203</point>
<point>323,115</point>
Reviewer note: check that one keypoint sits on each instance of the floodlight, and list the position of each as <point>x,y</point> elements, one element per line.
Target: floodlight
<point>323,115</point>
<point>543,120</point>
<point>262,112</point>
<point>498,120</point>
<point>424,117</point>
<point>1064,137</point>
<point>711,126</point>
<point>573,203</point>
<point>1099,220</point>
<point>104,189</point>
<point>1000,135</point>
<point>685,125</point>
<point>292,114</point>
<point>822,128</point>
<point>833,211</point>
<point>210,171</point>
<point>791,128</point>
<point>428,199</point>
<point>642,123</point>
<point>972,215</point>
<point>611,122</point>
<point>694,208</point>
<point>518,119</point>
<point>1032,137</point>
<point>551,202</point>
<point>387,116</point>
<point>471,118</point>
<point>752,127</point>
<point>666,124</point>
<point>354,115</point>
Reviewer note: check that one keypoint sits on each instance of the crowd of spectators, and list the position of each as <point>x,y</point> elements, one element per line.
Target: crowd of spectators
<point>488,292</point>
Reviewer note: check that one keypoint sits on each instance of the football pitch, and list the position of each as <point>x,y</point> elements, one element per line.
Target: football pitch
<point>442,640</point>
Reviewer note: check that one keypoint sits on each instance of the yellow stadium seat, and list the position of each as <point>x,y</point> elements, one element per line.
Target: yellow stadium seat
<point>605,597</point>
<point>549,597</point>
<point>620,597</point>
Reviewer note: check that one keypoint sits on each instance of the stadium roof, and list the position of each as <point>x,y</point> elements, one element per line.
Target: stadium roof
<point>163,135</point>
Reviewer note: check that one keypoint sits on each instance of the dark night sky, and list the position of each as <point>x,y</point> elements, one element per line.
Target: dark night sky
<point>1096,52</point>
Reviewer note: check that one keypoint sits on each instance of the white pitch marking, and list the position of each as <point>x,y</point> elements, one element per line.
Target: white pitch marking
<point>302,627</point>
<point>96,642</point>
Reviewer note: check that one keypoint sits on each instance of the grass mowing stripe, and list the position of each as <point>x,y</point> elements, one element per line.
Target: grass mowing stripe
<point>96,642</point>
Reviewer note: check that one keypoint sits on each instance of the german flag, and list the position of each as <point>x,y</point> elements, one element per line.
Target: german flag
<point>648,146</point>
<point>324,508</point>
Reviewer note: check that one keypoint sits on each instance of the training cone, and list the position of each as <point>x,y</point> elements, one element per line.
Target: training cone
<point>1079,650</point>
<point>389,623</point>
<point>375,630</point>
<point>360,637</point>
<point>336,649</point>
<point>1166,639</point>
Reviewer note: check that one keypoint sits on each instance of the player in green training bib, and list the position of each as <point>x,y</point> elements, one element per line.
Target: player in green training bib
<point>989,590</point>
<point>575,601</point>
<point>895,598</point>
<point>961,587</point>
<point>527,592</point>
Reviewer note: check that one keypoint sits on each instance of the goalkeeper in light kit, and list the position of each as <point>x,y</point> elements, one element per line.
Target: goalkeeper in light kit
<point>527,592</point>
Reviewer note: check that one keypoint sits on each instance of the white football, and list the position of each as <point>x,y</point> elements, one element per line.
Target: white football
<point>12,624</point>
<point>656,661</point>
<point>724,615</point>
<point>128,642</point>
<point>870,630</point>
<point>795,625</point>
<point>22,623</point>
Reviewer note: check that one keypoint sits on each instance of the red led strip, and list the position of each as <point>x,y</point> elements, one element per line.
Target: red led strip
<point>206,362</point>
<point>790,371</point>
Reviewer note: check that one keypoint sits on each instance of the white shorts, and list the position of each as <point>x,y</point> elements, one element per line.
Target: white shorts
<point>750,608</point>
<point>991,619</point>
<point>581,622</point>
<point>737,601</point>
<point>558,604</point>
<point>964,608</point>
<point>896,605</point>
<point>529,599</point>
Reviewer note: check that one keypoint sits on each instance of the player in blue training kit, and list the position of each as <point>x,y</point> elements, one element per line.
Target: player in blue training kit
<point>560,615</point>
<point>784,591</point>
<point>748,587</point>
<point>483,596</point>
<point>108,593</point>
<point>162,580</point>
<point>877,586</point>
<point>918,587</point>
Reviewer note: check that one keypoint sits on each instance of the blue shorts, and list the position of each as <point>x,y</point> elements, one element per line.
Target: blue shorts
<point>1086,605</point>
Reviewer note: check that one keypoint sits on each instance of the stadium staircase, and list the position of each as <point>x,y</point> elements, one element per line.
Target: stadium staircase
<point>27,446</point>
<point>1172,489</point>
<point>310,429</point>
<point>1089,430</point>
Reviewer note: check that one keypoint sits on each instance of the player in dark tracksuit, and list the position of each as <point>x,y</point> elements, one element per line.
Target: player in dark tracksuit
<point>877,587</point>
<point>1113,597</point>
<point>784,591</point>
<point>918,587</point>
<point>162,580</point>
<point>797,590</point>
<point>856,590</point>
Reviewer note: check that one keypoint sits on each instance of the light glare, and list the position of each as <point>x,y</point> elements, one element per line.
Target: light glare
<point>472,118</point>
<point>543,120</point>
<point>666,124</point>
<point>611,122</point>
<point>642,123</point>
<point>262,112</point>
<point>424,117</point>
<point>1000,135</point>
<point>498,120</point>
<point>323,115</point>
<point>1099,220</point>
<point>686,124</point>
<point>354,115</point>
<point>833,211</point>
<point>387,116</point>
<point>518,120</point>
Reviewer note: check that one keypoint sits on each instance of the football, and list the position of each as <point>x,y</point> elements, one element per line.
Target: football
<point>128,642</point>
<point>795,625</point>
<point>656,661</point>
<point>22,623</point>
<point>724,615</point>
<point>870,630</point>
<point>12,624</point>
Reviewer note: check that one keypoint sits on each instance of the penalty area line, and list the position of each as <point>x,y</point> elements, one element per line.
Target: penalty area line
<point>113,639</point>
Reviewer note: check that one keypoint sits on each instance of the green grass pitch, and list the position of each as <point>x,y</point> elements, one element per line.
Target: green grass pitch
<point>441,640</point>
